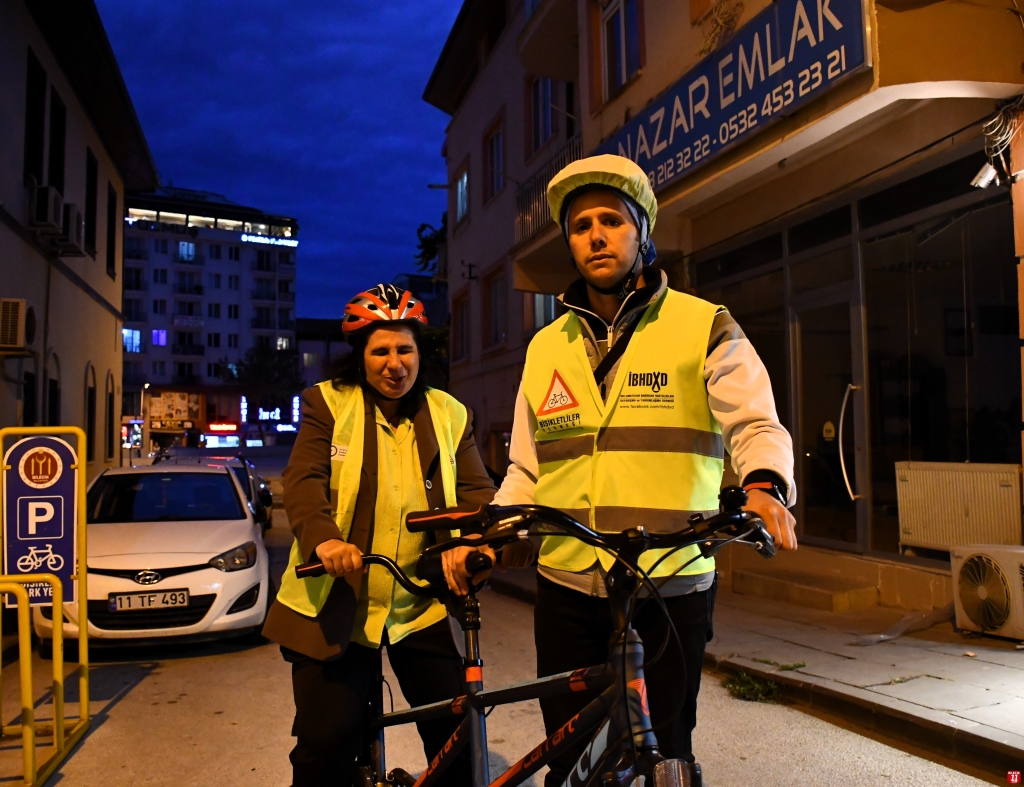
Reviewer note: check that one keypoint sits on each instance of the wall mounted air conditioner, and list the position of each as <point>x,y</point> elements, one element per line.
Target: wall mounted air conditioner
<point>12,325</point>
<point>948,504</point>
<point>47,214</point>
<point>988,589</point>
<point>71,241</point>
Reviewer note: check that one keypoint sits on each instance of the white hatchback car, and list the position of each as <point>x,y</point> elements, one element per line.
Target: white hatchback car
<point>174,551</point>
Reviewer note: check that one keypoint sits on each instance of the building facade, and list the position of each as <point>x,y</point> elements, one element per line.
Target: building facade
<point>820,170</point>
<point>205,281</point>
<point>72,145</point>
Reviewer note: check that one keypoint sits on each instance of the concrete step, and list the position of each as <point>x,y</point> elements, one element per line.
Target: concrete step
<point>833,594</point>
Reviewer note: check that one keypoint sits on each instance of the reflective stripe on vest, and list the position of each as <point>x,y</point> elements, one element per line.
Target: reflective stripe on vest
<point>651,456</point>
<point>449,418</point>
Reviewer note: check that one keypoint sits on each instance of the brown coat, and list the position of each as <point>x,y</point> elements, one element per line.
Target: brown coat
<point>310,508</point>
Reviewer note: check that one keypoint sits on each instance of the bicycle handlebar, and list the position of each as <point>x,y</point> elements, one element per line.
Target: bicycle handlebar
<point>430,569</point>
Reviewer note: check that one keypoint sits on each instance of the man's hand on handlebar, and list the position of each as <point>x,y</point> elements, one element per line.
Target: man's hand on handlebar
<point>777,519</point>
<point>340,557</point>
<point>455,572</point>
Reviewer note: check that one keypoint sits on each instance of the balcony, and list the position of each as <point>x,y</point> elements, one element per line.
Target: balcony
<point>286,325</point>
<point>267,266</point>
<point>263,295</point>
<point>532,211</point>
<point>136,285</point>
<point>188,289</point>
<point>544,47</point>
<point>187,321</point>
<point>198,259</point>
<point>136,254</point>
<point>135,316</point>
<point>286,296</point>
<point>188,349</point>
<point>264,323</point>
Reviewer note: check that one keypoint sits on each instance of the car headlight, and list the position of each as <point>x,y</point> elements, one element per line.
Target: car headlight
<point>236,559</point>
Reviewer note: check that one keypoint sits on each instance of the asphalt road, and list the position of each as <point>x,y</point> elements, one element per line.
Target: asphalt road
<point>221,714</point>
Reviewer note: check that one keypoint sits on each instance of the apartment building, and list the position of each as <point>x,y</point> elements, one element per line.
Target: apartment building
<point>71,147</point>
<point>821,171</point>
<point>205,281</point>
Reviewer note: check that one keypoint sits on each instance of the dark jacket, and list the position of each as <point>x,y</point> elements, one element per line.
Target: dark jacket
<point>310,508</point>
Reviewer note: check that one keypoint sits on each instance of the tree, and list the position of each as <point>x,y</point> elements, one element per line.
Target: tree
<point>266,376</point>
<point>429,243</point>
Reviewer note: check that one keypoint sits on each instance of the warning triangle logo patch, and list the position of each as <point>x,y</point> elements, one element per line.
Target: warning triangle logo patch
<point>558,398</point>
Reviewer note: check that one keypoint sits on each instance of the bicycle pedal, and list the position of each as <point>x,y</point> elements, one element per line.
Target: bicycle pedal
<point>402,778</point>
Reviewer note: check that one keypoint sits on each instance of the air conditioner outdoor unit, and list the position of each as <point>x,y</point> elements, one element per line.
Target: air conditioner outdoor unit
<point>988,589</point>
<point>72,237</point>
<point>12,324</point>
<point>948,504</point>
<point>47,210</point>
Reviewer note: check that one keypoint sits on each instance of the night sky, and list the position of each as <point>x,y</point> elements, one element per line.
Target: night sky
<point>300,108</point>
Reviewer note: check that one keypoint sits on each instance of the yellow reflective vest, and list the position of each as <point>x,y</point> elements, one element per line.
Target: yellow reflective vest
<point>449,417</point>
<point>651,455</point>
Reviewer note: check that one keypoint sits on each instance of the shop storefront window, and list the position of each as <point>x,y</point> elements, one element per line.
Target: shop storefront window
<point>944,358</point>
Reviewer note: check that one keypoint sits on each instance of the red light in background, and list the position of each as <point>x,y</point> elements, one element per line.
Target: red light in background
<point>222,427</point>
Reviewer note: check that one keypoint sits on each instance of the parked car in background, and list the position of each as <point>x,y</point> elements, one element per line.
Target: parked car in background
<point>174,551</point>
<point>257,490</point>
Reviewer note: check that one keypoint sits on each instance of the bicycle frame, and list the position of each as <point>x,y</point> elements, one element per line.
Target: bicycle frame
<point>618,733</point>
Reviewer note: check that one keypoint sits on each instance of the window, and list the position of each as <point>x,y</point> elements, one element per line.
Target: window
<point>460,328</point>
<point>232,311</point>
<point>570,110</point>
<point>263,342</point>
<point>310,360</point>
<point>133,310</point>
<point>35,119</point>
<point>132,340</point>
<point>234,253</point>
<point>494,174</point>
<point>188,308</point>
<point>159,275</point>
<point>160,306</point>
<point>52,392</point>
<point>110,425</point>
<point>495,305</point>
<point>620,38</point>
<point>159,368</point>
<point>233,340</point>
<point>214,249</point>
<point>543,310</point>
<point>461,196</point>
<point>234,282</point>
<point>540,113</point>
<point>186,250</point>
<point>134,279</point>
<point>112,224</point>
<point>265,261</point>
<point>283,343</point>
<point>160,245</point>
<point>58,135</point>
<point>91,187</point>
<point>213,369</point>
<point>213,310</point>
<point>284,319</point>
<point>90,414</point>
<point>286,257</point>
<point>159,338</point>
<point>215,280</point>
<point>213,340</point>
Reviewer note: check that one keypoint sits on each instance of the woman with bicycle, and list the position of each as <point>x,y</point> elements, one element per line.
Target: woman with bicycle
<point>375,443</point>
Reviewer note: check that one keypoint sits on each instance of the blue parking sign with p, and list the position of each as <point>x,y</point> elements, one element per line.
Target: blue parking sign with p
<point>40,486</point>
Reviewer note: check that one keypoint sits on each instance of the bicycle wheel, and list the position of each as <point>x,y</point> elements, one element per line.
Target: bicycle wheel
<point>55,562</point>
<point>25,564</point>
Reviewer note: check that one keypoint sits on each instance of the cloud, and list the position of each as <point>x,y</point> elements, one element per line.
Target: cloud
<point>301,108</point>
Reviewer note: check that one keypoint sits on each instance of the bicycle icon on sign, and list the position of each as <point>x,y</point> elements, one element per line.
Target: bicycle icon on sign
<point>558,399</point>
<point>36,557</point>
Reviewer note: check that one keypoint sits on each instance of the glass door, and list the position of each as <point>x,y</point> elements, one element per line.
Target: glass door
<point>830,419</point>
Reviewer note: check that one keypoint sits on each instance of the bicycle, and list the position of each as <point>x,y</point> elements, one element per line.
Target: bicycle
<point>35,558</point>
<point>623,747</point>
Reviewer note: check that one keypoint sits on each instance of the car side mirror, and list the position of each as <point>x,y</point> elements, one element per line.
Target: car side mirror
<point>266,498</point>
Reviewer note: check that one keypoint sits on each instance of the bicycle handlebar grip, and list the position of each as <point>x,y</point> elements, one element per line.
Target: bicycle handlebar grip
<point>314,569</point>
<point>478,561</point>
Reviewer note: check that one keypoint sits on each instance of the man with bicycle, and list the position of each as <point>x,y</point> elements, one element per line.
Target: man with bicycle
<point>627,405</point>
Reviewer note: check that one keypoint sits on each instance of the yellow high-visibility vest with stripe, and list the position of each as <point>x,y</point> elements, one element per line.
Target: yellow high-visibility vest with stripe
<point>449,417</point>
<point>651,455</point>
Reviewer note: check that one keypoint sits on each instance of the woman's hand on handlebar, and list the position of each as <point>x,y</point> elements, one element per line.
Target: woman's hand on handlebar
<point>340,557</point>
<point>455,572</point>
<point>777,519</point>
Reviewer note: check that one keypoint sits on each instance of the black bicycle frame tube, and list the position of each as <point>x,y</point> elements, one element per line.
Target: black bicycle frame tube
<point>474,714</point>
<point>443,758</point>
<point>591,678</point>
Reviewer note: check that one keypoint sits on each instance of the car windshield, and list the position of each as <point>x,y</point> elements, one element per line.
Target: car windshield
<point>163,497</point>
<point>243,479</point>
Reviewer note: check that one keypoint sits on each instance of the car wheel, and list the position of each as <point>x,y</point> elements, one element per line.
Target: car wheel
<point>46,649</point>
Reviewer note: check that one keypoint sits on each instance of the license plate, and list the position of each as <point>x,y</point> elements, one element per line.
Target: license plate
<point>131,602</point>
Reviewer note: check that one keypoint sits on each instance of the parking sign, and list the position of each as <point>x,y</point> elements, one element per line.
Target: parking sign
<point>40,485</point>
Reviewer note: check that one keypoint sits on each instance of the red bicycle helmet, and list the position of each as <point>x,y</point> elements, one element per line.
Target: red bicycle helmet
<point>383,303</point>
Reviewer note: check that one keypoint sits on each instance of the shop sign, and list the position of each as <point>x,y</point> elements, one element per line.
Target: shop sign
<point>40,514</point>
<point>791,53</point>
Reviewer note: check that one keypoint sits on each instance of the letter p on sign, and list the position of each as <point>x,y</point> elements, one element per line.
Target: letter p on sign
<point>40,518</point>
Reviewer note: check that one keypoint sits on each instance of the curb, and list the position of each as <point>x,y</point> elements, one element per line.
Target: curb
<point>895,719</point>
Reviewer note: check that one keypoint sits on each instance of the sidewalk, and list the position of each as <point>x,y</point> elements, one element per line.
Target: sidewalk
<point>922,689</point>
